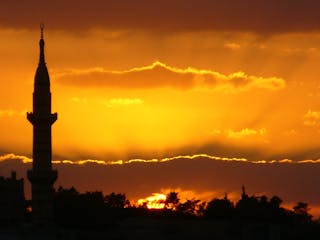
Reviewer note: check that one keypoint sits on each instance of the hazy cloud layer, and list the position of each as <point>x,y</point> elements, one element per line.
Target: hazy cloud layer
<point>159,75</point>
<point>262,16</point>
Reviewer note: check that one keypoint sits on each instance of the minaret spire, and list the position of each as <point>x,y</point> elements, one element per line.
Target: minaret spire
<point>42,176</point>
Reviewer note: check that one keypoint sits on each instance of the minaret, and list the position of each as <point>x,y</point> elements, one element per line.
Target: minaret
<point>42,176</point>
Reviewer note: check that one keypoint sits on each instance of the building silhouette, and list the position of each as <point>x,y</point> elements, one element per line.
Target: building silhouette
<point>42,176</point>
<point>12,202</point>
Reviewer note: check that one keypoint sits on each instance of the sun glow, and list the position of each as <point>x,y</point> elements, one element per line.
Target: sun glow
<point>155,201</point>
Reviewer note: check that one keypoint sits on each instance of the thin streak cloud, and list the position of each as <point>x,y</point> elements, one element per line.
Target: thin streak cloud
<point>25,159</point>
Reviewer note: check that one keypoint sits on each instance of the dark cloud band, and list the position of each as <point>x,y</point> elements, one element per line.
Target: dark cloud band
<point>261,16</point>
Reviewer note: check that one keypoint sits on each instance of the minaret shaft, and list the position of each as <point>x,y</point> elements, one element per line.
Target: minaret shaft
<point>41,175</point>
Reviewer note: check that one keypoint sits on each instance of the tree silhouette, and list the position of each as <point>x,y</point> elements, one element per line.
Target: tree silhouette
<point>93,210</point>
<point>172,200</point>
<point>301,212</point>
<point>75,209</point>
<point>219,208</point>
<point>190,207</point>
<point>116,200</point>
<point>66,206</point>
<point>260,209</point>
<point>275,202</point>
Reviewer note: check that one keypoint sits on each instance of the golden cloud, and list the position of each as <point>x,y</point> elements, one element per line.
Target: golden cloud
<point>243,133</point>
<point>311,118</point>
<point>79,100</point>
<point>12,156</point>
<point>160,75</point>
<point>11,113</point>
<point>123,102</point>
<point>232,46</point>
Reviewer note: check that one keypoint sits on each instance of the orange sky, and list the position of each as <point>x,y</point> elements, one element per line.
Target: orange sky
<point>237,79</point>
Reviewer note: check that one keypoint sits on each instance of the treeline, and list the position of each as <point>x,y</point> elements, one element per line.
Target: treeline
<point>95,210</point>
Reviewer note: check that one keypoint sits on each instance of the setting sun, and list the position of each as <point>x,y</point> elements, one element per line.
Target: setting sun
<point>155,201</point>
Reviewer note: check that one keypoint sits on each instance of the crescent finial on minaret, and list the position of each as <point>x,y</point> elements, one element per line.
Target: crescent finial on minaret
<point>41,29</point>
<point>41,43</point>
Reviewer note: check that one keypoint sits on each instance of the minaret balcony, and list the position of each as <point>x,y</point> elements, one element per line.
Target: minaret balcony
<point>40,118</point>
<point>42,176</point>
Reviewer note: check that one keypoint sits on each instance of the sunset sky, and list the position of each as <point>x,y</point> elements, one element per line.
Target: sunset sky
<point>166,81</point>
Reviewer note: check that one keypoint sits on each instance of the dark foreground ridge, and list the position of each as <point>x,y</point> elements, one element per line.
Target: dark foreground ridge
<point>92,215</point>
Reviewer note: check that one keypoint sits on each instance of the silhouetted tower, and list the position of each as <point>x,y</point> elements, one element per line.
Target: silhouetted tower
<point>42,176</point>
